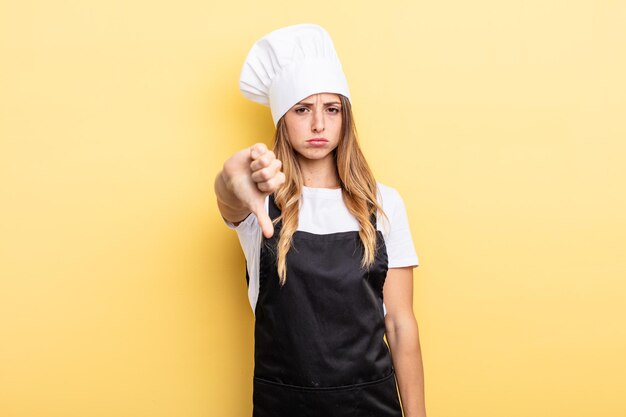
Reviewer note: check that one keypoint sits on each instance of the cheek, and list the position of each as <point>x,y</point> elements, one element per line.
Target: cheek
<point>291,130</point>
<point>297,130</point>
<point>336,126</point>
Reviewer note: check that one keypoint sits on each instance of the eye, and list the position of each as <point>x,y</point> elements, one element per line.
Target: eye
<point>301,110</point>
<point>334,110</point>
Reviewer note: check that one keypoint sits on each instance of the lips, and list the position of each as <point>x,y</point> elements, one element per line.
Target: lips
<point>317,141</point>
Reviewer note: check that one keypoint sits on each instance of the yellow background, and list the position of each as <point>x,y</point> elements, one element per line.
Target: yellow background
<point>502,124</point>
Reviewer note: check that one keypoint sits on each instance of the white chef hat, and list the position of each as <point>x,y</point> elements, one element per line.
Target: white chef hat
<point>288,65</point>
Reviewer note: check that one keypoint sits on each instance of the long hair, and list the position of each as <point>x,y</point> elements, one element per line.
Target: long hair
<point>357,182</point>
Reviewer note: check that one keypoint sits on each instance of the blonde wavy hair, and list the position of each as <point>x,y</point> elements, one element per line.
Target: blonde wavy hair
<point>357,183</point>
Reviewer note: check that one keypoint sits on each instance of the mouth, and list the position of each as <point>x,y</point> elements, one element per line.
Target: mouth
<point>317,141</point>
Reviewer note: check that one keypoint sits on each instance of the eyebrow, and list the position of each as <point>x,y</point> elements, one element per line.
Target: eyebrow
<point>330,103</point>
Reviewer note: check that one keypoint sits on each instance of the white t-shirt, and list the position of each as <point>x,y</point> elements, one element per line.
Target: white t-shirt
<point>322,211</point>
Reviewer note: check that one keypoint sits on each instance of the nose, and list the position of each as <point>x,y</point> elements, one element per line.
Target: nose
<point>317,123</point>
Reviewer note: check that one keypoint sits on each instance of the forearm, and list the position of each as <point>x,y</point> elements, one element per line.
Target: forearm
<point>406,354</point>
<point>231,208</point>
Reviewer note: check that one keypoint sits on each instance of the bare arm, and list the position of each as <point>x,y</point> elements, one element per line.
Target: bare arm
<point>403,338</point>
<point>242,185</point>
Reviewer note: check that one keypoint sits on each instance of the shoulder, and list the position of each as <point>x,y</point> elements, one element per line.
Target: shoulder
<point>393,212</point>
<point>388,197</point>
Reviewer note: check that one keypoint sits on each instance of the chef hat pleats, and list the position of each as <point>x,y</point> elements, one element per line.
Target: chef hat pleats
<point>288,65</point>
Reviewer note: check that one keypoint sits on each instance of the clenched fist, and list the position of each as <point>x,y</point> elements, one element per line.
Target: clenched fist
<point>248,177</point>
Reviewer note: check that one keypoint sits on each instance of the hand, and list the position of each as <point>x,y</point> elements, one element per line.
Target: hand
<point>251,175</point>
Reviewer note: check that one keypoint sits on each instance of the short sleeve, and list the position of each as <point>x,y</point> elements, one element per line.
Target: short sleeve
<point>248,233</point>
<point>397,233</point>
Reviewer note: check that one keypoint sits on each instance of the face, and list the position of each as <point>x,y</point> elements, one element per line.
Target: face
<point>314,126</point>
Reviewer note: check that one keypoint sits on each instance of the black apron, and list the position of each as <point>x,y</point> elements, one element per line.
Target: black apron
<point>319,348</point>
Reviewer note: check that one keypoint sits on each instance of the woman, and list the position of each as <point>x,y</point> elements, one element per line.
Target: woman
<point>324,242</point>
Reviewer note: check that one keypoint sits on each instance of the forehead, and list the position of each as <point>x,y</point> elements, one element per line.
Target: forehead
<point>321,97</point>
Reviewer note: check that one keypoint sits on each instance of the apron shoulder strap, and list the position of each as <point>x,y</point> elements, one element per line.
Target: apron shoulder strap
<point>373,219</point>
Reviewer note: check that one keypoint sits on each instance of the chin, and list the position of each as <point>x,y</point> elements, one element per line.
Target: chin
<point>315,155</point>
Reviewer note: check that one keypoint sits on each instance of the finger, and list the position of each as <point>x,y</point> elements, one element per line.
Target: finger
<point>267,173</point>
<point>280,179</point>
<point>272,184</point>
<point>257,150</point>
<point>267,227</point>
<point>263,161</point>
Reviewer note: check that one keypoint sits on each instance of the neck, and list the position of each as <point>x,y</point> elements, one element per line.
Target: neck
<point>319,173</point>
